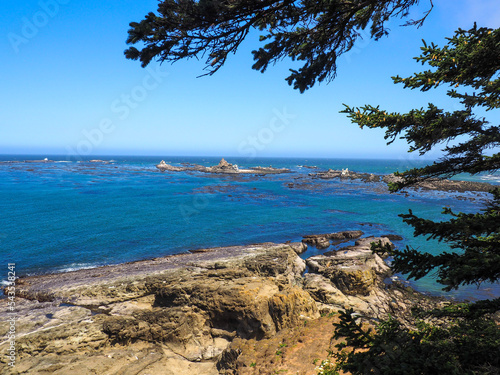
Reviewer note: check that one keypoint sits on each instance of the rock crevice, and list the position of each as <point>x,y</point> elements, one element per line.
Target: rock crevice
<point>193,313</point>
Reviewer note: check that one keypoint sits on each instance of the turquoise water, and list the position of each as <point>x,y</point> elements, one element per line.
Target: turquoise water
<point>73,214</point>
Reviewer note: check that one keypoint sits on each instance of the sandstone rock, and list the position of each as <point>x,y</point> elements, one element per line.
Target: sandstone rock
<point>248,306</point>
<point>227,363</point>
<point>348,234</point>
<point>319,242</point>
<point>354,270</point>
<point>188,307</point>
<point>299,247</point>
<point>294,350</point>
<point>197,313</point>
<point>322,241</point>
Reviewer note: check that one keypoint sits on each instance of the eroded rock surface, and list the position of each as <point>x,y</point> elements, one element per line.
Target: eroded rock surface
<point>322,241</point>
<point>207,312</point>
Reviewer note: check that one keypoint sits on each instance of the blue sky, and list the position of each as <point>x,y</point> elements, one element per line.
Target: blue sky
<point>67,88</point>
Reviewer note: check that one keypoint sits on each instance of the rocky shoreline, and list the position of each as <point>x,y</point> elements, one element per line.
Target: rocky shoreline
<point>231,310</point>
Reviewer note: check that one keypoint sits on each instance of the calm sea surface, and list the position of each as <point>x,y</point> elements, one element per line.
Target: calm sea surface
<point>72,214</point>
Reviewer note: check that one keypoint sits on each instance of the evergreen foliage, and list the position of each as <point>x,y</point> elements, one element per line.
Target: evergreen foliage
<point>464,346</point>
<point>467,340</point>
<point>471,59</point>
<point>315,32</point>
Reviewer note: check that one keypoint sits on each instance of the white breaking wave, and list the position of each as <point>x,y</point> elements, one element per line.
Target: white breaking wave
<point>76,267</point>
<point>491,178</point>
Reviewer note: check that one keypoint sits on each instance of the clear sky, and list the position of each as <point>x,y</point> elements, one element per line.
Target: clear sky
<point>67,88</point>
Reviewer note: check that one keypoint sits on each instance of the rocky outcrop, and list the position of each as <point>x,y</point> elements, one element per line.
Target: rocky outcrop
<point>222,168</point>
<point>354,270</point>
<point>428,184</point>
<point>346,174</point>
<point>178,312</point>
<point>167,167</point>
<point>207,312</point>
<point>449,185</point>
<point>322,241</point>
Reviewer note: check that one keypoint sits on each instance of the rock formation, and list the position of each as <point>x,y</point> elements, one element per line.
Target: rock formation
<point>429,184</point>
<point>322,241</point>
<point>222,168</point>
<point>206,312</point>
<point>167,167</point>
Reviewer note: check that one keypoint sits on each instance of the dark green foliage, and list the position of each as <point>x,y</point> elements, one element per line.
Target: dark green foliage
<point>462,347</point>
<point>475,236</point>
<point>463,310</point>
<point>471,61</point>
<point>315,32</point>
<point>467,339</point>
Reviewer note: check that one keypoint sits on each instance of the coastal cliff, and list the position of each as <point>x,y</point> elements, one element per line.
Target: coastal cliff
<point>232,310</point>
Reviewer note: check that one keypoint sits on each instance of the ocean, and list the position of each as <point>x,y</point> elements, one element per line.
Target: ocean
<point>72,214</point>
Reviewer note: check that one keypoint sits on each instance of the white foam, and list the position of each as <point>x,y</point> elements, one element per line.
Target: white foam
<point>76,267</point>
<point>491,177</point>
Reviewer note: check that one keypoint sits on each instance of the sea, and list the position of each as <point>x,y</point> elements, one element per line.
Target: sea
<point>72,214</point>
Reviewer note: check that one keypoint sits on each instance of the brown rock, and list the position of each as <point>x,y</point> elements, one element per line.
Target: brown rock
<point>354,270</point>
<point>178,313</point>
<point>225,310</point>
<point>322,241</point>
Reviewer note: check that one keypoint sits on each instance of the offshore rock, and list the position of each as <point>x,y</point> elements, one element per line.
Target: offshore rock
<point>445,185</point>
<point>346,174</point>
<point>428,184</point>
<point>167,167</point>
<point>222,168</point>
<point>322,241</point>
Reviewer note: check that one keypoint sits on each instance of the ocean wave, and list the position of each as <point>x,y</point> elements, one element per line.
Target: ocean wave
<point>491,178</point>
<point>66,268</point>
<point>76,267</point>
